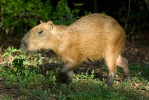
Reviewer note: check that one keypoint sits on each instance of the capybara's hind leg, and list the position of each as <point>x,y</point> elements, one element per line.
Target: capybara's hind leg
<point>111,63</point>
<point>122,62</point>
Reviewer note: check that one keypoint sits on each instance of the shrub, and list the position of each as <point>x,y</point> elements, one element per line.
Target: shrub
<point>19,15</point>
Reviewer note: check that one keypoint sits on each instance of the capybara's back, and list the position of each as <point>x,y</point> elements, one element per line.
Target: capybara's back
<point>98,36</point>
<point>92,37</point>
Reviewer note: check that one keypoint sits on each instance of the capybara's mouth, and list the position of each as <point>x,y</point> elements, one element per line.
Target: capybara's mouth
<point>27,50</point>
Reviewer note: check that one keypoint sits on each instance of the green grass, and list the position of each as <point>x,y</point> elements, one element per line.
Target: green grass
<point>22,79</point>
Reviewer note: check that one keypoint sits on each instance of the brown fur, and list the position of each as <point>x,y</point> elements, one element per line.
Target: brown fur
<point>92,37</point>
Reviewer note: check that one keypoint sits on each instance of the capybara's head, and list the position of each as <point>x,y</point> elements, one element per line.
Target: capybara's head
<point>39,37</point>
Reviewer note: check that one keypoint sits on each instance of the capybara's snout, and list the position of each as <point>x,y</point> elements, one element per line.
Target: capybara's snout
<point>24,44</point>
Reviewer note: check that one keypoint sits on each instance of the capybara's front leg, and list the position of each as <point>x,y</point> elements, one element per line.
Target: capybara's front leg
<point>66,73</point>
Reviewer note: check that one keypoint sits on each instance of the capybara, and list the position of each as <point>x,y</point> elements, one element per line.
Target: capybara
<point>92,37</point>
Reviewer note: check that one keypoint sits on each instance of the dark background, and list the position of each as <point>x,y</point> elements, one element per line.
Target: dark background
<point>138,15</point>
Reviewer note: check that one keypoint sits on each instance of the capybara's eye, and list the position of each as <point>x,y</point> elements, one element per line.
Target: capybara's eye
<point>40,32</point>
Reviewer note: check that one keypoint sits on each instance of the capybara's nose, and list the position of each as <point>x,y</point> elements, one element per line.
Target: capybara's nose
<point>23,43</point>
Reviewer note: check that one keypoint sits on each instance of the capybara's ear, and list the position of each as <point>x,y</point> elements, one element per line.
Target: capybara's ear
<point>50,25</point>
<point>41,21</point>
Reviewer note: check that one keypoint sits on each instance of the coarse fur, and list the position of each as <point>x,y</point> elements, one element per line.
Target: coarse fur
<point>92,37</point>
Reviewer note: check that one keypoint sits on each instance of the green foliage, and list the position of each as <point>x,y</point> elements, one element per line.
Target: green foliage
<point>19,15</point>
<point>63,13</point>
<point>18,60</point>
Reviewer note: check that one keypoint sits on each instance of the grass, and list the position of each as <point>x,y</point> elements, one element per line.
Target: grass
<point>22,79</point>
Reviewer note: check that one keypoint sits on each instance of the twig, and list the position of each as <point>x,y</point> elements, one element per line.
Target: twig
<point>147,2</point>
<point>132,31</point>
<point>4,63</point>
<point>127,14</point>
